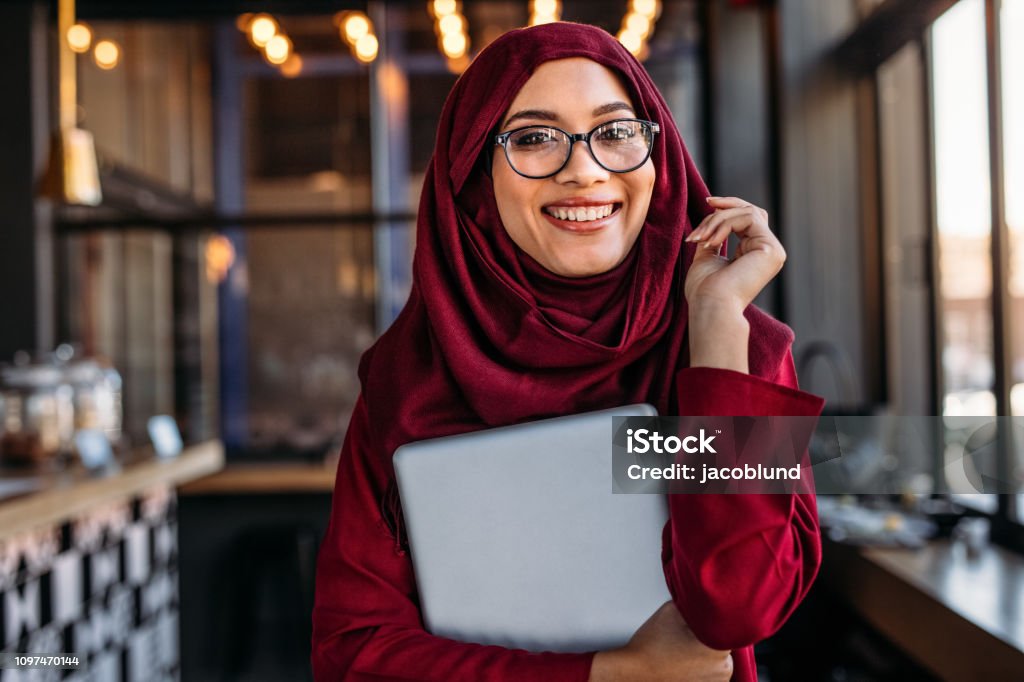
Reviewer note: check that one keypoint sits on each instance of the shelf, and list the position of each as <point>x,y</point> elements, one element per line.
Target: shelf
<point>961,617</point>
<point>63,496</point>
<point>272,478</point>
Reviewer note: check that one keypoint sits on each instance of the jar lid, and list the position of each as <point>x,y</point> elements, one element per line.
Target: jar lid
<point>30,376</point>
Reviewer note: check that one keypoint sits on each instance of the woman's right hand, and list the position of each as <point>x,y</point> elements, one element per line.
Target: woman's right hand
<point>663,649</point>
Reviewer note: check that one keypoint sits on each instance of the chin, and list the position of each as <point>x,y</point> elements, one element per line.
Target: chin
<point>587,267</point>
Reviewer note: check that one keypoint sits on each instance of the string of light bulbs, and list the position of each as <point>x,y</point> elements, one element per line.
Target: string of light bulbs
<point>356,29</point>
<point>638,25</point>
<point>452,31</point>
<point>266,35</point>
<point>106,53</point>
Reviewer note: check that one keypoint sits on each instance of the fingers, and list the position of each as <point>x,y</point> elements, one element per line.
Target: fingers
<point>757,217</point>
<point>717,230</point>
<point>732,214</point>
<point>750,272</point>
<point>727,202</point>
<point>753,234</point>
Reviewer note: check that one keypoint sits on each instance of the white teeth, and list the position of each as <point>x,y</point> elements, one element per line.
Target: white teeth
<point>581,214</point>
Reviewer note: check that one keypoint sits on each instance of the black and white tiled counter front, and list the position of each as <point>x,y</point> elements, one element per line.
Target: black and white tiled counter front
<point>103,586</point>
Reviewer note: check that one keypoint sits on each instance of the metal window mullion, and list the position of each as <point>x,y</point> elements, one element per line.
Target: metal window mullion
<point>932,275</point>
<point>229,190</point>
<point>389,149</point>
<point>1001,343</point>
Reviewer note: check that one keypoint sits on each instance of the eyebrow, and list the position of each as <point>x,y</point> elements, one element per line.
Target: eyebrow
<point>540,114</point>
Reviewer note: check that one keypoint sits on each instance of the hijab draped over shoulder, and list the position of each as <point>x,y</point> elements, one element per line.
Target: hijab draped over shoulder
<point>489,337</point>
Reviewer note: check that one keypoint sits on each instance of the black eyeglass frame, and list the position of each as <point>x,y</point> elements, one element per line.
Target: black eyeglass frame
<point>501,140</point>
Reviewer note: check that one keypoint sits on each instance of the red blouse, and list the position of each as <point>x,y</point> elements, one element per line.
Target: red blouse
<point>736,565</point>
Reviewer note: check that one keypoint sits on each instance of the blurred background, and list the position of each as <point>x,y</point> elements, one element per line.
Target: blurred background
<point>206,215</point>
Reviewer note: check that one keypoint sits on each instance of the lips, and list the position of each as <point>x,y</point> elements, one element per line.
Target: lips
<point>581,215</point>
<point>581,209</point>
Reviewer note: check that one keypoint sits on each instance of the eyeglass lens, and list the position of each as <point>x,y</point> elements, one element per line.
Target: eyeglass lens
<point>619,146</point>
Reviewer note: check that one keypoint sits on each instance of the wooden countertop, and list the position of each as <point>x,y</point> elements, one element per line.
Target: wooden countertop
<point>66,494</point>
<point>266,478</point>
<point>961,617</point>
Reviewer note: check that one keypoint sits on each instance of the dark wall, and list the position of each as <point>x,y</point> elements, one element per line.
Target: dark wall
<point>247,564</point>
<point>26,258</point>
<point>828,230</point>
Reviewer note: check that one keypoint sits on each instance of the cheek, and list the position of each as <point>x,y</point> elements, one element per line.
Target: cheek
<point>512,199</point>
<point>642,193</point>
<point>512,194</point>
<point>503,193</point>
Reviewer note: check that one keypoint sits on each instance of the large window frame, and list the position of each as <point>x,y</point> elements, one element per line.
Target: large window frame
<point>888,28</point>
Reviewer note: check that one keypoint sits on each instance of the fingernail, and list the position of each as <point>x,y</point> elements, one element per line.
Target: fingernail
<point>710,198</point>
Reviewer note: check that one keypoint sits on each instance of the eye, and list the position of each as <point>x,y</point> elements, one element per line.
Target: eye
<point>534,138</point>
<point>617,132</point>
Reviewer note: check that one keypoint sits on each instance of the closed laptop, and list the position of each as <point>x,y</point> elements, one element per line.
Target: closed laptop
<point>517,539</point>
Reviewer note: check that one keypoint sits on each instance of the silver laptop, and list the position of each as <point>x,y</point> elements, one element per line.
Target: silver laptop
<point>517,539</point>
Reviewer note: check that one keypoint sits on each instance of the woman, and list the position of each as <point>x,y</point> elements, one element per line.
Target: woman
<point>557,275</point>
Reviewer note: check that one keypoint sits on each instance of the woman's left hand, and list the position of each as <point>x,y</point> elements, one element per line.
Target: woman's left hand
<point>718,290</point>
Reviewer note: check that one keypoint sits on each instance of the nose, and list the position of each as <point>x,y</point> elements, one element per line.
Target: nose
<point>581,169</point>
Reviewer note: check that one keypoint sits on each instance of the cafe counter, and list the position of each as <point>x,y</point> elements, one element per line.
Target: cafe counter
<point>89,563</point>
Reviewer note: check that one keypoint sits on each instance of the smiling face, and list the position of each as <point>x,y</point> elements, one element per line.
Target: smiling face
<point>584,219</point>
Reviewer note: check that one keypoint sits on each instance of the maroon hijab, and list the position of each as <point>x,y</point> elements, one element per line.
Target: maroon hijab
<point>488,336</point>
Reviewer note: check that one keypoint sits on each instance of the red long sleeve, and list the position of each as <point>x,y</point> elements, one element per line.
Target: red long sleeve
<point>366,622</point>
<point>738,565</point>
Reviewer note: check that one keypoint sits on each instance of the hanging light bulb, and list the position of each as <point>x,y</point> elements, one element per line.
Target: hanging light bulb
<point>79,38</point>
<point>647,8</point>
<point>366,48</point>
<point>292,66</point>
<point>106,54</point>
<point>72,174</point>
<point>454,45</point>
<point>441,8</point>
<point>452,23</point>
<point>262,29</point>
<point>631,41</point>
<point>638,24</point>
<point>355,26</point>
<point>278,49</point>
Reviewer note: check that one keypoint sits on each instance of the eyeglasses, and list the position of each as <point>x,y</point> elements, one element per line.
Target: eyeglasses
<point>617,146</point>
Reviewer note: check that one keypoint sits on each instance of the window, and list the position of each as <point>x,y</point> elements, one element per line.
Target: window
<point>963,216</point>
<point>980,307</point>
<point>947,225</point>
<point>1011,22</point>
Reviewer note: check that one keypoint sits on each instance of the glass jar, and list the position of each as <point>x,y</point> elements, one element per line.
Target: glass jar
<point>111,405</point>
<point>88,387</point>
<point>38,416</point>
<point>96,387</point>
